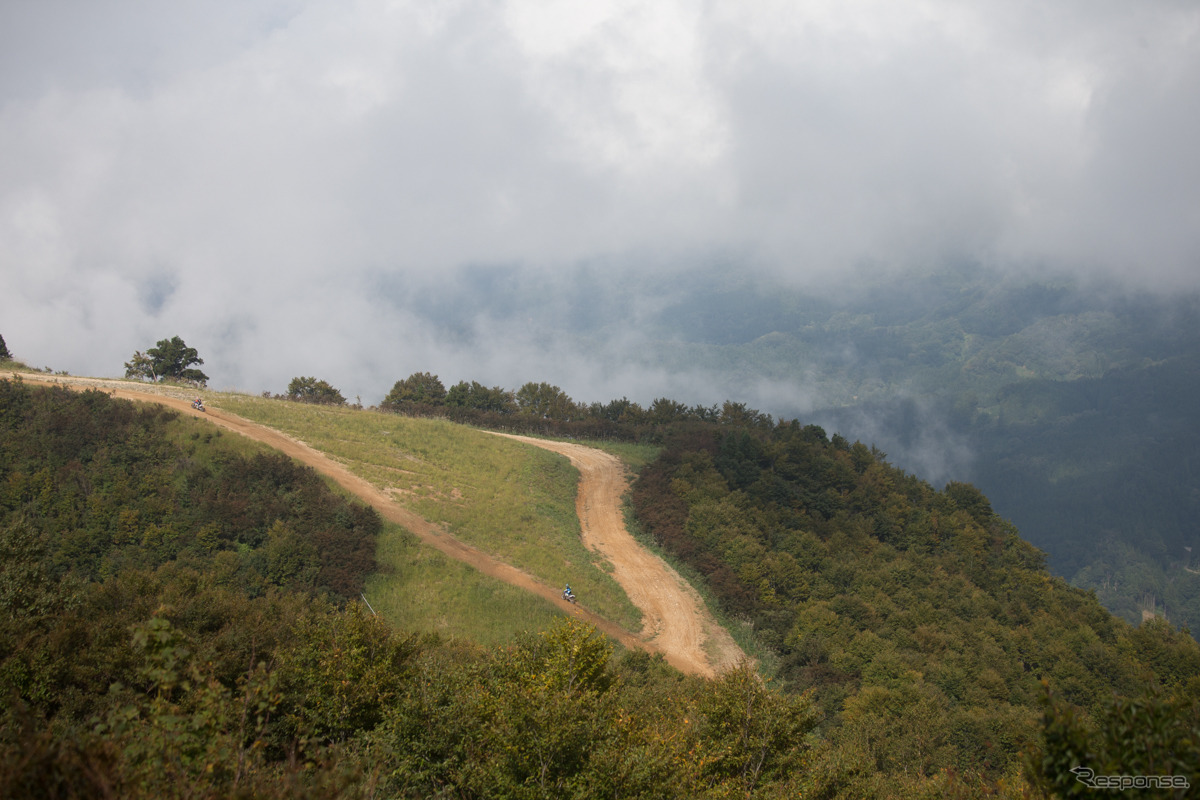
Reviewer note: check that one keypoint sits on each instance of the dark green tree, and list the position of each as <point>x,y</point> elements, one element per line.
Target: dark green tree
<point>548,402</point>
<point>420,387</point>
<point>479,397</point>
<point>623,410</point>
<point>4,354</point>
<point>664,411</point>
<point>141,367</point>
<point>755,733</point>
<point>169,359</point>
<point>971,500</point>
<point>311,390</point>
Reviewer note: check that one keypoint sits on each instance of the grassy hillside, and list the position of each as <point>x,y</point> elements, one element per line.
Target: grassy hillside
<point>509,499</point>
<point>418,588</point>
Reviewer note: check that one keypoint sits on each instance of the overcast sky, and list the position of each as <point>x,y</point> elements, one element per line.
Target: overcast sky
<point>260,176</point>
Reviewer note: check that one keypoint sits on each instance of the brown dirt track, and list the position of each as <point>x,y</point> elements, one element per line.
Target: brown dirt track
<point>676,623</point>
<point>675,620</point>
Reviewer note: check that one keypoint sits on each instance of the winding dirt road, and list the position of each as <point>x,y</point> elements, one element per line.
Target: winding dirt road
<point>674,618</point>
<point>676,623</point>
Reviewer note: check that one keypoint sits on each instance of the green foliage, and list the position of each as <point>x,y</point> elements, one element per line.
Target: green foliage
<point>1140,745</point>
<point>170,359</point>
<point>329,703</point>
<point>141,367</point>
<point>210,675</point>
<point>544,401</point>
<point>911,626</point>
<point>524,721</point>
<point>544,409</point>
<point>341,673</point>
<point>4,354</point>
<point>756,735</point>
<point>477,397</point>
<point>918,619</point>
<point>420,388</point>
<point>102,485</point>
<point>183,728</point>
<point>175,729</point>
<point>623,410</point>
<point>27,590</point>
<point>292,560</point>
<point>572,657</point>
<point>312,390</point>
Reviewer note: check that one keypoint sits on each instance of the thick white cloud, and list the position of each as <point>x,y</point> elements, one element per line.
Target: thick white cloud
<point>242,173</point>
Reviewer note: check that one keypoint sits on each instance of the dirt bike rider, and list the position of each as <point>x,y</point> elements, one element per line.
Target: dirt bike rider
<point>567,593</point>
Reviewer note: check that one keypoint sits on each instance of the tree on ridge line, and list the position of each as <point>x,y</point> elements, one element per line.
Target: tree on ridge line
<point>169,359</point>
<point>311,390</point>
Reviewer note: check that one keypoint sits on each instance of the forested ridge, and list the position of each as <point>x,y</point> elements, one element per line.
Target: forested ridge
<point>926,629</point>
<point>177,619</point>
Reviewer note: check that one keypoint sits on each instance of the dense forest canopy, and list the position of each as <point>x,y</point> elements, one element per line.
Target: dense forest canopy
<point>108,485</point>
<point>923,624</point>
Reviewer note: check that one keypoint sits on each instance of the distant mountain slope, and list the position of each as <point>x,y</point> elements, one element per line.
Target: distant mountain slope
<point>1076,414</point>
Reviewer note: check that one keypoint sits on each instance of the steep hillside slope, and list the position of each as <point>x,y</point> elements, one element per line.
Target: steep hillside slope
<point>921,621</point>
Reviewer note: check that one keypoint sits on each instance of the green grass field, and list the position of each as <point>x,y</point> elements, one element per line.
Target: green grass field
<point>509,499</point>
<point>418,589</point>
